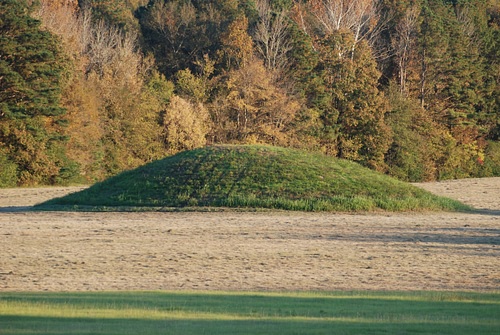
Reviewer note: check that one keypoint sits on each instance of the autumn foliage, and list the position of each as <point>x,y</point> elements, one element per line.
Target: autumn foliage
<point>91,88</point>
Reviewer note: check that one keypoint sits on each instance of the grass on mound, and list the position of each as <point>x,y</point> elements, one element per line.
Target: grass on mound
<point>253,177</point>
<point>250,313</point>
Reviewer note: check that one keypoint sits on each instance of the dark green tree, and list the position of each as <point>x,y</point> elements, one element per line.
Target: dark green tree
<point>180,33</point>
<point>458,77</point>
<point>352,108</point>
<point>172,32</point>
<point>114,12</point>
<point>32,68</point>
<point>30,65</point>
<point>302,56</point>
<point>444,68</point>
<point>489,36</point>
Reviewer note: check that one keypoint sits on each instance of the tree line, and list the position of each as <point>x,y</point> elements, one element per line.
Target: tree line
<point>89,88</point>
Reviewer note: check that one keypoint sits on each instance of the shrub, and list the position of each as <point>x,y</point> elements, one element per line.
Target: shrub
<point>491,166</point>
<point>8,172</point>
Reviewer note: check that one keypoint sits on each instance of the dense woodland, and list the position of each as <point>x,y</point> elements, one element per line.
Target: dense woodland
<point>90,88</point>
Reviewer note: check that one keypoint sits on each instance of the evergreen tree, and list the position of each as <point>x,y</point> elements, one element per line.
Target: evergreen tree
<point>31,75</point>
<point>352,107</point>
<point>302,56</point>
<point>114,12</point>
<point>490,35</point>
<point>30,65</point>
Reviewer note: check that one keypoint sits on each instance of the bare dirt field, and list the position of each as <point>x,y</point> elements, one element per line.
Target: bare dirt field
<point>62,251</point>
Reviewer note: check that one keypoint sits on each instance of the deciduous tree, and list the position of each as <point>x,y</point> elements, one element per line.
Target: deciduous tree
<point>330,16</point>
<point>237,45</point>
<point>404,44</point>
<point>272,37</point>
<point>185,125</point>
<point>252,108</point>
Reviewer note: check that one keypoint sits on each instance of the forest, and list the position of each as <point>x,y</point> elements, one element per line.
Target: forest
<point>91,88</point>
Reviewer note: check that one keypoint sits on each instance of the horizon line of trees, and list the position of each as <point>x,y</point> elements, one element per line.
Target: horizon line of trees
<point>90,88</point>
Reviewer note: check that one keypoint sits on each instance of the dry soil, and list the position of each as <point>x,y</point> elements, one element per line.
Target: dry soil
<point>75,251</point>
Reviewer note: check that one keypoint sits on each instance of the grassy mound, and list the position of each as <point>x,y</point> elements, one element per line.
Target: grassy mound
<point>253,177</point>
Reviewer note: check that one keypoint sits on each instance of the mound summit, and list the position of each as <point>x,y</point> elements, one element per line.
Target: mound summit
<point>252,177</point>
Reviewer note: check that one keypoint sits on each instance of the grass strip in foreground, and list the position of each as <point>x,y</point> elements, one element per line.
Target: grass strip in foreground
<point>250,313</point>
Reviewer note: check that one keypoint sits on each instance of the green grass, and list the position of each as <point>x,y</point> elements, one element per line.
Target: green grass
<point>250,313</point>
<point>253,177</point>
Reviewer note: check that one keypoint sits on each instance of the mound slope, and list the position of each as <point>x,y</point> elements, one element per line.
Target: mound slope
<point>253,177</point>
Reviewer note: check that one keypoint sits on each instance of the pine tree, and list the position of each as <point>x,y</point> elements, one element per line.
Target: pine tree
<point>488,23</point>
<point>445,72</point>
<point>30,65</point>
<point>114,12</point>
<point>31,75</point>
<point>352,106</point>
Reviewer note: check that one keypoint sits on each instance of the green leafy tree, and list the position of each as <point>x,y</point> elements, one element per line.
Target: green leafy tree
<point>194,87</point>
<point>451,74</point>
<point>302,55</point>
<point>438,58</point>
<point>418,144</point>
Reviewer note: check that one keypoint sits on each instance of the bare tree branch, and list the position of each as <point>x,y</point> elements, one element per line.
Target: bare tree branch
<point>403,43</point>
<point>271,35</point>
